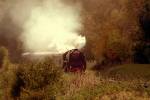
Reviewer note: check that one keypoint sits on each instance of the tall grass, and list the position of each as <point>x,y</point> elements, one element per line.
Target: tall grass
<point>100,86</point>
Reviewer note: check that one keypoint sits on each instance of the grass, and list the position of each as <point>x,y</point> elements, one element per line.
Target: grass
<point>130,71</point>
<point>91,86</point>
<point>124,82</point>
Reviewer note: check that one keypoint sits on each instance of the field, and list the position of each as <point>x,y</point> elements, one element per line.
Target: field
<point>46,81</point>
<point>119,83</point>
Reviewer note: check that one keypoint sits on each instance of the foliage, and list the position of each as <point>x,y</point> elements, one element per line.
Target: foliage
<point>117,49</point>
<point>142,46</point>
<point>41,80</point>
<point>103,18</point>
<point>37,80</point>
<point>3,57</point>
<point>7,76</point>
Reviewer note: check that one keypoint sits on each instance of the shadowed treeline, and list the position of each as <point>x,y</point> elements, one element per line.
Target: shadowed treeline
<point>9,37</point>
<point>113,29</point>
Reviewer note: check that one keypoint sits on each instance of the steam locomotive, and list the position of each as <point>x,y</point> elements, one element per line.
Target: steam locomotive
<point>74,61</point>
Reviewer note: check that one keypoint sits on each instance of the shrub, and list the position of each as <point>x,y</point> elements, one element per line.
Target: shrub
<point>7,76</point>
<point>3,57</point>
<point>40,80</point>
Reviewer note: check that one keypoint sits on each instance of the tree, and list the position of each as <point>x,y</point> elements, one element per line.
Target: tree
<point>142,48</point>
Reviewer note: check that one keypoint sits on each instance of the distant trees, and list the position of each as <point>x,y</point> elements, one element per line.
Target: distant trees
<point>10,36</point>
<point>111,27</point>
<point>142,48</point>
<point>145,20</point>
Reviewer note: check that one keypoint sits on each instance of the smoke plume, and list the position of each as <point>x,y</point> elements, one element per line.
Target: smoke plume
<point>52,26</point>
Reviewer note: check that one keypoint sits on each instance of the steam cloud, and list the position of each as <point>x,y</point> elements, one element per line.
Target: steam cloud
<point>44,26</point>
<point>52,26</point>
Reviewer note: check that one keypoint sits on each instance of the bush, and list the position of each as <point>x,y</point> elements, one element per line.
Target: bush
<point>40,81</point>
<point>3,57</point>
<point>7,77</point>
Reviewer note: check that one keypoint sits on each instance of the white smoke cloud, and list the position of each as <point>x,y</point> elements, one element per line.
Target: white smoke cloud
<point>53,26</point>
